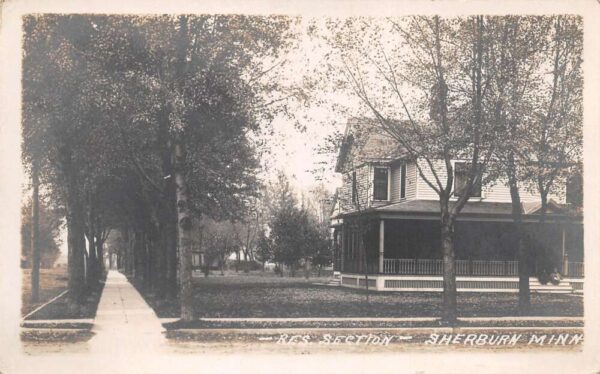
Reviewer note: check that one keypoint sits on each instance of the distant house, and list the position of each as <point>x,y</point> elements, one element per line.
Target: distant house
<point>400,215</point>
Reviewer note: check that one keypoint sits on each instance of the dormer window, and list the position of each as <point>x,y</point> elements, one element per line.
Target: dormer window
<point>380,183</point>
<point>461,177</point>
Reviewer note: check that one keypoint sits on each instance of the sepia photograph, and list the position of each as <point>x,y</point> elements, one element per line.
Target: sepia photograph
<point>289,184</point>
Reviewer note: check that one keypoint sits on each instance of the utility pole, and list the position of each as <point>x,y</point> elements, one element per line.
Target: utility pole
<point>35,233</point>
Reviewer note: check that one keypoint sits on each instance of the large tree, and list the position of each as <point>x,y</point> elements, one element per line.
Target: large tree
<point>515,60</point>
<point>423,80</point>
<point>556,131</point>
<point>536,73</point>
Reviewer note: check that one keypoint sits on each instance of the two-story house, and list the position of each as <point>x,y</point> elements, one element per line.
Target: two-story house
<point>384,197</point>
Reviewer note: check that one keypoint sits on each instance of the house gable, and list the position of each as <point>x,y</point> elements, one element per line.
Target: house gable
<point>364,143</point>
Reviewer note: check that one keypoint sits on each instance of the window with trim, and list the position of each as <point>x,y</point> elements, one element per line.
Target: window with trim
<point>380,183</point>
<point>403,181</point>
<point>461,177</point>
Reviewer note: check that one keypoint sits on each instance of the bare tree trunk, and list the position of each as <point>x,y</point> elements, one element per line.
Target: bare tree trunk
<point>306,269</point>
<point>449,312</point>
<point>75,233</point>
<point>100,255</point>
<point>76,249</point>
<point>171,245</point>
<point>161,259</point>
<point>246,261</point>
<point>148,260</point>
<point>91,236</point>
<point>91,263</point>
<point>168,214</point>
<point>125,260</point>
<point>35,234</point>
<point>128,255</point>
<point>138,249</point>
<point>522,253</point>
<point>184,226</point>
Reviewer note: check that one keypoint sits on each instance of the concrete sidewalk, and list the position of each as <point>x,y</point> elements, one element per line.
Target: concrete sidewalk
<point>125,325</point>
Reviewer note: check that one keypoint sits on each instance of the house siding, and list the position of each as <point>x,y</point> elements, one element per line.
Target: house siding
<point>424,191</point>
<point>497,191</point>
<point>395,174</point>
<point>417,188</point>
<point>363,183</point>
<point>411,180</point>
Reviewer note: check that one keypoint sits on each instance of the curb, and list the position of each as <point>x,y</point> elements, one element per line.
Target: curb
<point>44,305</point>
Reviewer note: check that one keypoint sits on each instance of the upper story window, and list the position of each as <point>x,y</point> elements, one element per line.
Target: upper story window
<point>461,176</point>
<point>380,183</point>
<point>403,181</point>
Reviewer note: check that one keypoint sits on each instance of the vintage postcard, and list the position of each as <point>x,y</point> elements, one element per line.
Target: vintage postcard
<point>326,186</point>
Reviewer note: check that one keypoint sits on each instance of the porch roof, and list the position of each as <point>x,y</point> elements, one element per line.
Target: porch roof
<point>473,210</point>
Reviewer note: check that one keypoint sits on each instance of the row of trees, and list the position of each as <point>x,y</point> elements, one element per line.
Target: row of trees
<point>277,230</point>
<point>143,124</point>
<point>503,92</point>
<point>218,240</point>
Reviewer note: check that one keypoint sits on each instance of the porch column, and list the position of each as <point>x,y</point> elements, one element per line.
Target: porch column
<point>565,262</point>
<point>563,240</point>
<point>343,247</point>
<point>381,244</point>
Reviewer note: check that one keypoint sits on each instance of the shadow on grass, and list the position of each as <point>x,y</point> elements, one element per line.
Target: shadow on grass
<point>270,297</point>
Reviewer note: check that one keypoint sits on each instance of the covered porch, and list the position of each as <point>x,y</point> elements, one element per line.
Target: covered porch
<point>402,251</point>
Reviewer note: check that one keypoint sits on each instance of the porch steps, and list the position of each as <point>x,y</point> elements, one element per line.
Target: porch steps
<point>562,287</point>
<point>334,281</point>
<point>331,282</point>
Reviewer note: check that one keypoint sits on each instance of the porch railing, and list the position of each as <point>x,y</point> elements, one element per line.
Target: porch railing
<point>575,270</point>
<point>466,267</point>
<point>463,267</point>
<point>495,268</point>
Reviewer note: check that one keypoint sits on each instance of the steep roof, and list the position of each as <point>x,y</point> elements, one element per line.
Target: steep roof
<point>364,142</point>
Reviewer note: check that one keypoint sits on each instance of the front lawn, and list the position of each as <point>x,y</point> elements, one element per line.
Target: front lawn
<point>249,295</point>
<point>52,283</point>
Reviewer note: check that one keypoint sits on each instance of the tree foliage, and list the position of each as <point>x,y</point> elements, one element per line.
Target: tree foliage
<point>297,238</point>
<point>107,101</point>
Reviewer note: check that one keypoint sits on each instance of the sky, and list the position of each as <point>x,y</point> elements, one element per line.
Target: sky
<point>297,152</point>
